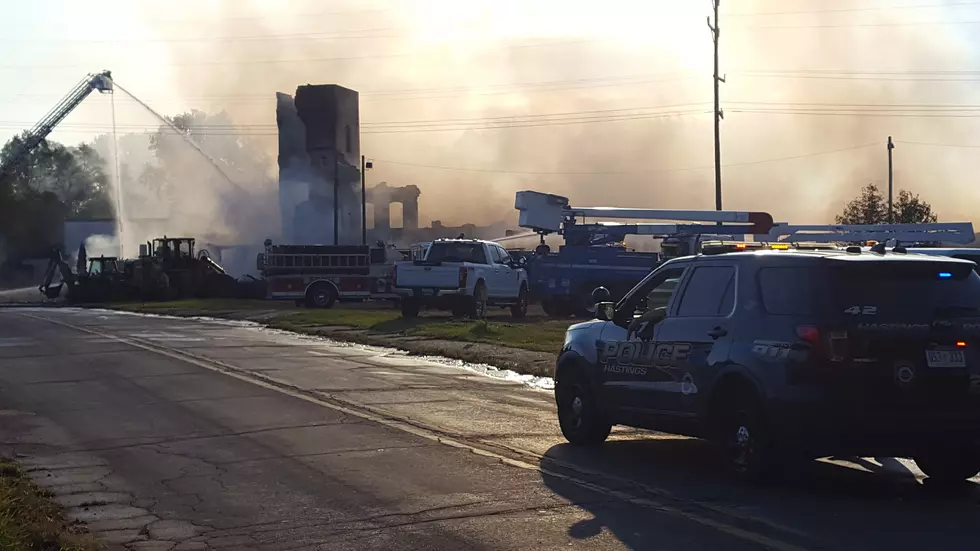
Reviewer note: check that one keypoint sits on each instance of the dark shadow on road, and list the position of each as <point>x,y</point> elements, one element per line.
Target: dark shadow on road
<point>816,504</point>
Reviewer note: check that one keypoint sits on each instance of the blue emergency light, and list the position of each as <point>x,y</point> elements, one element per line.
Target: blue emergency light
<point>945,275</point>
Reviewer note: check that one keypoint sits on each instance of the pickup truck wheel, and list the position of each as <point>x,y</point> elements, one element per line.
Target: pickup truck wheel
<point>519,310</point>
<point>949,464</point>
<point>321,295</point>
<point>478,303</point>
<point>579,414</point>
<point>410,308</point>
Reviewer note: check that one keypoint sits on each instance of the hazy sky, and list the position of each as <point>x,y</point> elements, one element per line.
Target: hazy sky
<point>607,102</point>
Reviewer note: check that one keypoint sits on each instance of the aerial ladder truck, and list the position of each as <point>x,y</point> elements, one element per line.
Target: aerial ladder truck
<point>101,82</point>
<point>22,228</point>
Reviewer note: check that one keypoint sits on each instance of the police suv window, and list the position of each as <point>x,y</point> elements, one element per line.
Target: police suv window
<point>653,293</point>
<point>707,291</point>
<point>789,290</point>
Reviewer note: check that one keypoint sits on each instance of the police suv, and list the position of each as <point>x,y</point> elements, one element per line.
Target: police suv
<point>787,354</point>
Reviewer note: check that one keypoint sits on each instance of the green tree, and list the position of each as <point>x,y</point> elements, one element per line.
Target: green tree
<point>871,207</point>
<point>76,176</point>
<point>909,209</point>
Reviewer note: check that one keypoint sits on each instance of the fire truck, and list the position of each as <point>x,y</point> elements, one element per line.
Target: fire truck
<point>320,275</point>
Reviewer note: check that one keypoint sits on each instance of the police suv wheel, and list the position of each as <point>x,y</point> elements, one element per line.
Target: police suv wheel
<point>949,464</point>
<point>579,414</point>
<point>744,439</point>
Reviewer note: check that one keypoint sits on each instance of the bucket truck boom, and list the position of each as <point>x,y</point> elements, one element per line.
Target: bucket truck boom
<point>593,253</point>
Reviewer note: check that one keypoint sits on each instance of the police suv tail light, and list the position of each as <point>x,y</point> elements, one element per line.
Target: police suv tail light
<point>462,278</point>
<point>808,334</point>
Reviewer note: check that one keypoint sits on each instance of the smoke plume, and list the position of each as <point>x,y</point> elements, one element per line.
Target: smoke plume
<point>609,105</point>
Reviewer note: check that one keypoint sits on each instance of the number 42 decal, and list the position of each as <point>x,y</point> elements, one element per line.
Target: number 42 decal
<point>859,310</point>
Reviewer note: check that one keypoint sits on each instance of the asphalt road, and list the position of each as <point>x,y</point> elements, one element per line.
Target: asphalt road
<point>184,434</point>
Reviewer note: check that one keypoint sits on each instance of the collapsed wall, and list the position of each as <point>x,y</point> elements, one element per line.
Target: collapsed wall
<point>319,165</point>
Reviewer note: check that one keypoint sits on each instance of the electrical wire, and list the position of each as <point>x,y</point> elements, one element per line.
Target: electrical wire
<point>858,25</point>
<point>856,113</point>
<point>343,35</point>
<point>240,62</point>
<point>609,172</point>
<point>930,144</point>
<point>862,9</point>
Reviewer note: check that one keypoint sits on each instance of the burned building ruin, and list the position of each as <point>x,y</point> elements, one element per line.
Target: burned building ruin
<point>382,196</point>
<point>319,175</point>
<point>319,159</point>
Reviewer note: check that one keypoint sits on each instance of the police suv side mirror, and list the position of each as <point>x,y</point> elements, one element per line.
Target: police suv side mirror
<point>605,311</point>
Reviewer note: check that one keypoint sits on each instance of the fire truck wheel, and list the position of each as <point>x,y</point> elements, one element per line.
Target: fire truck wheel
<point>410,308</point>
<point>321,295</point>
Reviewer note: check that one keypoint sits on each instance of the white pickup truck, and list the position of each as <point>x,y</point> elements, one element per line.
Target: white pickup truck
<point>464,276</point>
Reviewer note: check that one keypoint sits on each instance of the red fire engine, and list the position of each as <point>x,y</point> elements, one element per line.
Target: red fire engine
<point>320,275</point>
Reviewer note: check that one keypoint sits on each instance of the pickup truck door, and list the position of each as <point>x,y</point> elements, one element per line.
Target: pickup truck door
<point>510,279</point>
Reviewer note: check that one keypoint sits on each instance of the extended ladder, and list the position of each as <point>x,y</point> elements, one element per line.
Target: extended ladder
<point>95,81</point>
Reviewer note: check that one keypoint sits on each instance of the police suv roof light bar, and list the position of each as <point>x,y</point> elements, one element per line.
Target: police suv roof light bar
<point>947,232</point>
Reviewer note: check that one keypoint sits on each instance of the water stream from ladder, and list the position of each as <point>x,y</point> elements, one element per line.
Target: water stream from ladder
<point>211,160</point>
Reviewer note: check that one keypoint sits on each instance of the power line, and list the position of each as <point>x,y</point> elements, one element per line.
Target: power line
<point>276,15</point>
<point>267,130</point>
<point>859,77</point>
<point>930,144</point>
<point>620,172</point>
<point>845,113</point>
<point>316,59</point>
<point>849,72</point>
<point>352,35</point>
<point>424,122</point>
<point>862,106</point>
<point>425,93</point>
<point>859,25</point>
<point>864,9</point>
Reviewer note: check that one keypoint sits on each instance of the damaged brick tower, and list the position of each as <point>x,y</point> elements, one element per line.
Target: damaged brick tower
<point>319,160</point>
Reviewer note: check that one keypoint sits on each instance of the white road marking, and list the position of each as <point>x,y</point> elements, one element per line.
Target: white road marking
<point>17,341</point>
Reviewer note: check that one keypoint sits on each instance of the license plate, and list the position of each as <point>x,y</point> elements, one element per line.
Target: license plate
<point>945,358</point>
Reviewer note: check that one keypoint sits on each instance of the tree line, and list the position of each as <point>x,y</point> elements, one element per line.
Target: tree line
<point>871,207</point>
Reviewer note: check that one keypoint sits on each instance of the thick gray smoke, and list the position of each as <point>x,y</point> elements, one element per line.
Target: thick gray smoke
<point>467,66</point>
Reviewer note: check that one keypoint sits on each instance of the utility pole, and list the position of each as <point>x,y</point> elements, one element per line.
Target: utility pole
<point>719,114</point>
<point>891,145</point>
<point>365,165</point>
<point>336,198</point>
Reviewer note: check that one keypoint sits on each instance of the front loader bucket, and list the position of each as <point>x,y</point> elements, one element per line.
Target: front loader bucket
<point>53,291</point>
